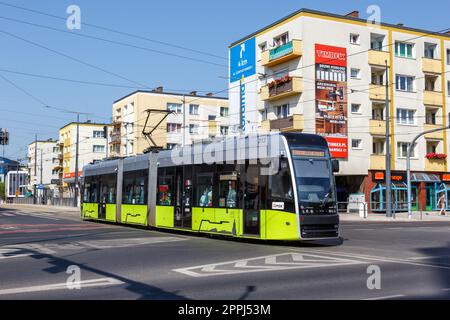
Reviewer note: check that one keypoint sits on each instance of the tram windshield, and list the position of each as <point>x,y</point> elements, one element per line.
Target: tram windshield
<point>314,180</point>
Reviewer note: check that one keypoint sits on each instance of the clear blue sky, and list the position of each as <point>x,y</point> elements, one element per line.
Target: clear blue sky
<point>202,25</point>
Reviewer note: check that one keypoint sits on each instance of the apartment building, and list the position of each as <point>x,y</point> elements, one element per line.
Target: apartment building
<point>176,119</point>
<point>318,72</point>
<point>93,146</point>
<point>43,158</point>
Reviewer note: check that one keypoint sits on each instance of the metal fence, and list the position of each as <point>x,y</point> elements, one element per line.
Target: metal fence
<point>45,201</point>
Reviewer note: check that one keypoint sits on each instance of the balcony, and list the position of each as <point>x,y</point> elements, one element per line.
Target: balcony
<point>439,135</point>
<point>116,138</point>
<point>377,162</point>
<point>378,58</point>
<point>377,92</point>
<point>433,98</point>
<point>431,65</point>
<point>286,52</point>
<point>294,123</point>
<point>435,165</point>
<point>277,90</point>
<point>377,127</point>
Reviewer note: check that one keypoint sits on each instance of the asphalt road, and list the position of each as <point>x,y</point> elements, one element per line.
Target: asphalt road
<point>38,245</point>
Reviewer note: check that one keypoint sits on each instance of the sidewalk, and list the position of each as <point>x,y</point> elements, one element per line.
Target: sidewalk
<point>400,217</point>
<point>40,207</point>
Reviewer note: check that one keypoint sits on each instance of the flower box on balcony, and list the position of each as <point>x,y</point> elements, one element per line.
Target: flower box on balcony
<point>436,156</point>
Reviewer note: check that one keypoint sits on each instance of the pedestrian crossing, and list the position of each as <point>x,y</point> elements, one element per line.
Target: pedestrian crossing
<point>40,215</point>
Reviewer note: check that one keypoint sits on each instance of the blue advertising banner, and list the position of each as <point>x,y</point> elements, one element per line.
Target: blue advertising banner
<point>243,60</point>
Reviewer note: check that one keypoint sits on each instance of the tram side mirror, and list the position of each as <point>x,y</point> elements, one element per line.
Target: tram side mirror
<point>335,165</point>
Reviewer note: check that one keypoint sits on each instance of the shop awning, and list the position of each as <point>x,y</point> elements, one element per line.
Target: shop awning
<point>424,177</point>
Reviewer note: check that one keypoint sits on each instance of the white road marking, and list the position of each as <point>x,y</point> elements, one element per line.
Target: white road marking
<point>276,262</point>
<point>26,250</point>
<point>62,286</point>
<point>386,297</point>
<point>378,258</point>
<point>428,257</point>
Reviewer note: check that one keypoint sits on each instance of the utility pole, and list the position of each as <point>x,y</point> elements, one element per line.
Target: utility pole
<point>388,150</point>
<point>75,201</point>
<point>35,169</point>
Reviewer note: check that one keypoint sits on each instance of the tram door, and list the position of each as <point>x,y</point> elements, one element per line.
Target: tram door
<point>251,201</point>
<point>183,198</point>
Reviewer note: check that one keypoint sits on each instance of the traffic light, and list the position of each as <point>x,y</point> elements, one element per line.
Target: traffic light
<point>105,132</point>
<point>4,138</point>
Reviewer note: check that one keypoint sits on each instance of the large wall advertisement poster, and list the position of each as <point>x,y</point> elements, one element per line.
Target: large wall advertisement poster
<point>331,98</point>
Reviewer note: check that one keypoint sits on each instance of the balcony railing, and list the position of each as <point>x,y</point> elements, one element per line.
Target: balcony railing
<point>433,98</point>
<point>378,162</point>
<point>116,138</point>
<point>294,123</point>
<point>377,127</point>
<point>431,65</point>
<point>277,90</point>
<point>286,52</point>
<point>435,165</point>
<point>438,135</point>
<point>378,57</point>
<point>377,92</point>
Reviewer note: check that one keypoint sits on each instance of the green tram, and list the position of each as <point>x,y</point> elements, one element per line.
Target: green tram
<point>284,191</point>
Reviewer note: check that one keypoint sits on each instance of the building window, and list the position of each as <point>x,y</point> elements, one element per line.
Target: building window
<point>282,111</point>
<point>355,73</point>
<point>356,144</point>
<point>354,38</point>
<point>99,134</point>
<point>377,113</point>
<point>224,112</point>
<point>432,147</point>
<point>174,107</point>
<point>402,150</point>
<point>376,41</point>
<point>212,118</point>
<point>174,127</point>
<point>224,130</point>
<point>448,88</point>
<point>281,40</point>
<point>378,147</point>
<point>405,116</point>
<point>404,83</point>
<point>430,50</point>
<point>430,117</point>
<point>193,109</point>
<point>404,50</point>
<point>448,56</point>
<point>98,149</point>
<point>356,108</point>
<point>193,129</point>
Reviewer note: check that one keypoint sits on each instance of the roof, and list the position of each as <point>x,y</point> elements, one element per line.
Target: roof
<point>333,15</point>
<point>170,94</point>
<point>86,123</point>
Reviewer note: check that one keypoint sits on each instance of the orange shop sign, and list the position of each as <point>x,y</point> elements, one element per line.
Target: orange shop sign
<point>71,175</point>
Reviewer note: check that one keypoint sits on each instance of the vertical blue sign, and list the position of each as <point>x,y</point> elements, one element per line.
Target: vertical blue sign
<point>243,60</point>
<point>242,93</point>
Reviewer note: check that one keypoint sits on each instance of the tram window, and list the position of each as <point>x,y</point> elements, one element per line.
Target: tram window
<point>128,182</point>
<point>93,193</point>
<point>205,190</point>
<point>140,190</point>
<point>280,185</point>
<point>86,191</point>
<point>165,191</point>
<point>108,189</point>
<point>227,192</point>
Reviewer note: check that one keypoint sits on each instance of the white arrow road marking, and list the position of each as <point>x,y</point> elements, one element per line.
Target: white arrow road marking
<point>63,286</point>
<point>276,262</point>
